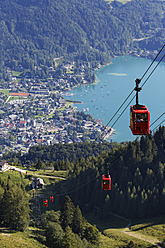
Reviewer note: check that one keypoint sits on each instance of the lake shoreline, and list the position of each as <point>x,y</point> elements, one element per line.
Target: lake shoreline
<point>113,84</point>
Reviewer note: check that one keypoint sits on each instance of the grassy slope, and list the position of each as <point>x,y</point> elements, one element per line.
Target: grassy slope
<point>153,227</point>
<point>29,239</point>
<point>145,233</point>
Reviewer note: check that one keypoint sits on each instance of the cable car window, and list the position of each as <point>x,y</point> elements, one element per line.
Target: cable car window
<point>142,117</point>
<point>106,181</point>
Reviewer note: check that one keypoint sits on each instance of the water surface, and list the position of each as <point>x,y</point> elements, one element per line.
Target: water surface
<point>114,84</point>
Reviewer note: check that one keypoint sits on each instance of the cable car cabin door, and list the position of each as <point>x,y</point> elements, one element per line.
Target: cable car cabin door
<point>139,120</point>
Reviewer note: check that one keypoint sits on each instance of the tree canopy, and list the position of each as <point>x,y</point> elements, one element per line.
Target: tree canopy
<point>14,204</point>
<point>91,31</point>
<point>71,229</point>
<point>137,172</point>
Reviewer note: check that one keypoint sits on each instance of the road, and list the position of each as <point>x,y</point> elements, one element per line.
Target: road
<point>17,169</point>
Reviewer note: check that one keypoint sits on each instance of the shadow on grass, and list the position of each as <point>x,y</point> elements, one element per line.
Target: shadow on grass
<point>38,235</point>
<point>147,222</point>
<point>6,230</point>
<point>141,228</point>
<point>110,222</point>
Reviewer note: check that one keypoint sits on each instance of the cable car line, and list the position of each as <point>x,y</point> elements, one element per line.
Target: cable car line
<point>157,119</point>
<point>137,89</point>
<point>75,188</point>
<point>131,94</point>
<point>126,107</point>
<point>158,125</point>
<point>133,91</point>
<point>119,116</point>
<point>115,114</point>
<point>115,160</point>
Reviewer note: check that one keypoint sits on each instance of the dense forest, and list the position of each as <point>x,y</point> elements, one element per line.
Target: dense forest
<point>49,155</point>
<point>68,228</point>
<point>37,32</point>
<point>137,170</point>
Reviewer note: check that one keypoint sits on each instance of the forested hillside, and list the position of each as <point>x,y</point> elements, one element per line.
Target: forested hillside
<point>38,31</point>
<point>138,179</point>
<point>137,170</point>
<point>49,155</point>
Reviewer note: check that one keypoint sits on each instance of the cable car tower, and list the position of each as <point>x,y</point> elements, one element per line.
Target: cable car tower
<point>35,214</point>
<point>139,115</point>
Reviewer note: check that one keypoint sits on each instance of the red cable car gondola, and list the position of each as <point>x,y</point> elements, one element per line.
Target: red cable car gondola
<point>51,198</point>
<point>139,116</point>
<point>46,203</point>
<point>139,119</point>
<point>106,182</point>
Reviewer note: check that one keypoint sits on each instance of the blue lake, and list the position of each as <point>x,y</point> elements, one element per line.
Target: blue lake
<point>114,84</point>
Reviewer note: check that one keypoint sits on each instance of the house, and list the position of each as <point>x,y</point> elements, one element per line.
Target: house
<point>22,124</point>
<point>62,102</point>
<point>37,183</point>
<point>3,165</point>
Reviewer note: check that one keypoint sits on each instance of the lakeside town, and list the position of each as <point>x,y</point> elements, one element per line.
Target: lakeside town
<point>34,112</point>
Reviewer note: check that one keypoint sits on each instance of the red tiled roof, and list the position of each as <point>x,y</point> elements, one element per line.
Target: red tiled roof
<point>19,94</point>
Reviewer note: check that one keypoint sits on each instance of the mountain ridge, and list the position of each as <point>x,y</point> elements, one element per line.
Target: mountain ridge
<point>38,31</point>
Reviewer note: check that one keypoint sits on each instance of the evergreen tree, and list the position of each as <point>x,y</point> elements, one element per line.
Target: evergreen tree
<point>39,164</point>
<point>67,213</point>
<point>54,235</point>
<point>78,222</point>
<point>50,216</point>
<point>70,240</point>
<point>15,208</point>
<point>91,233</point>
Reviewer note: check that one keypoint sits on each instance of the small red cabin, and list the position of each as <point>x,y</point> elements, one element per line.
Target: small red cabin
<point>139,119</point>
<point>106,182</point>
<point>46,203</point>
<point>51,198</point>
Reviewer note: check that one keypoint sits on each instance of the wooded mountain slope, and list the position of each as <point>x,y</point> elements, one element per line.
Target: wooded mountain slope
<point>137,170</point>
<point>138,179</point>
<point>36,31</point>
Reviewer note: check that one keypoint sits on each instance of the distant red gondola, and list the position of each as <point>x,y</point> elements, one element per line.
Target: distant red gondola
<point>51,198</point>
<point>139,116</point>
<point>106,182</point>
<point>46,203</point>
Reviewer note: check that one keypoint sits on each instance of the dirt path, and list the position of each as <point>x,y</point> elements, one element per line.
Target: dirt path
<point>137,235</point>
<point>142,237</point>
<point>62,178</point>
